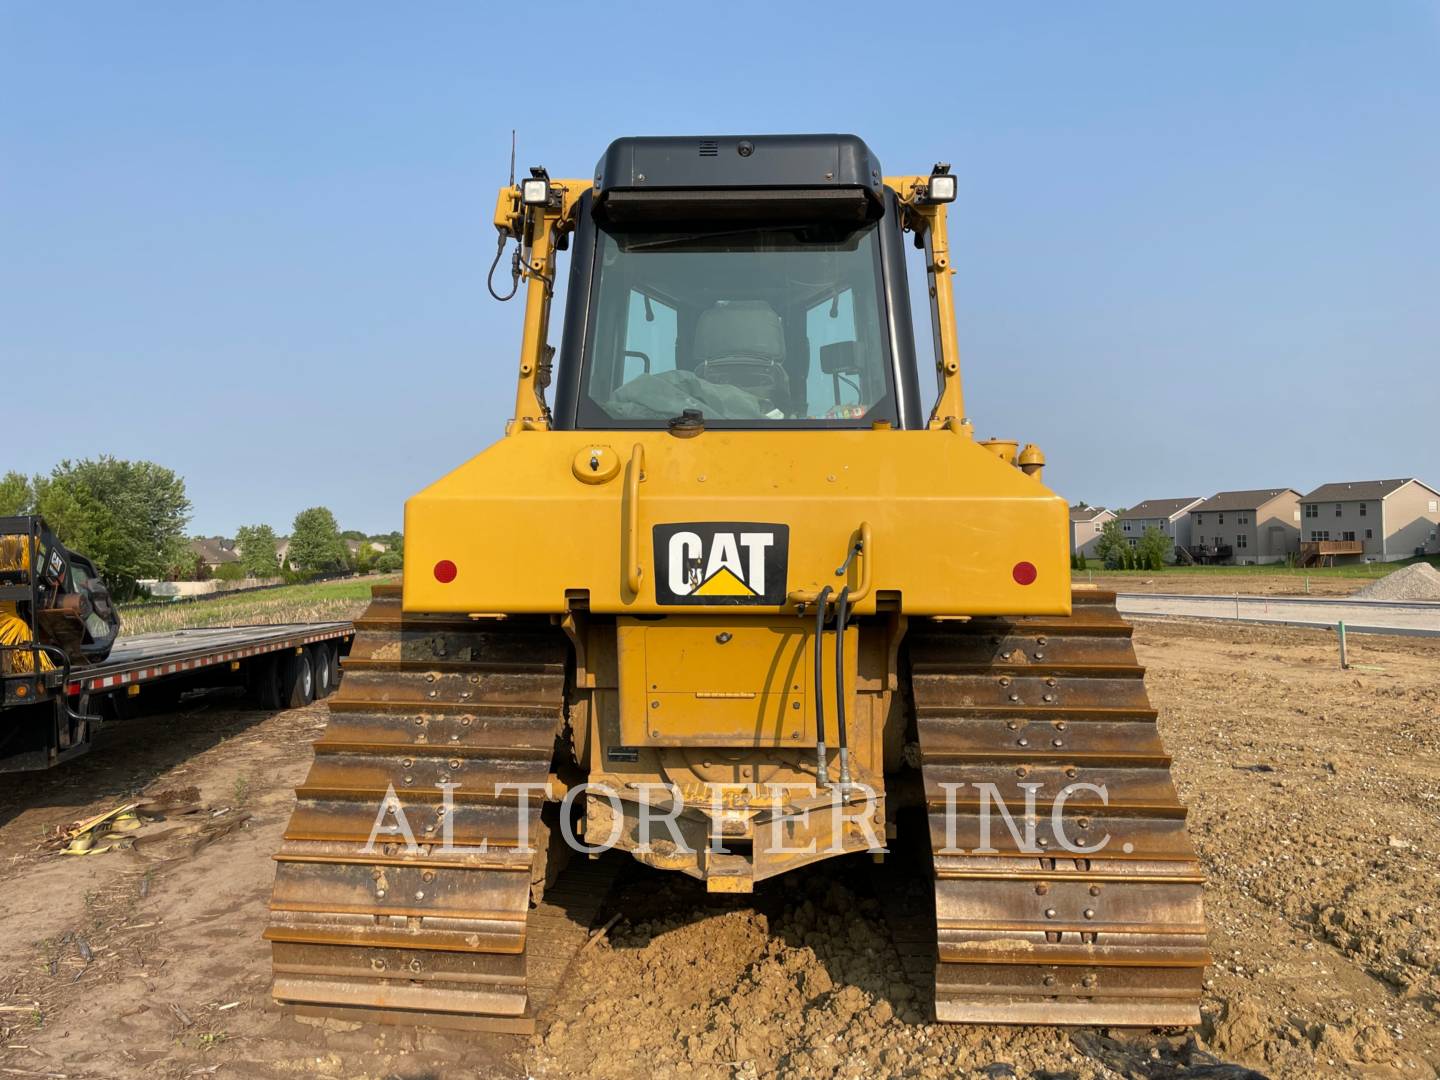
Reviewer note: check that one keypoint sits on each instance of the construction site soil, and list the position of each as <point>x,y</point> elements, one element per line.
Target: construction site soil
<point>1314,797</point>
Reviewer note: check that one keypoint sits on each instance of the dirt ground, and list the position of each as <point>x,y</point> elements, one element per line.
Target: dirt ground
<point>1314,798</point>
<point>1221,583</point>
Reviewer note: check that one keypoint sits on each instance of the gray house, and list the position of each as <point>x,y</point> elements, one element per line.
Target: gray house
<point>1260,526</point>
<point>1085,525</point>
<point>1170,516</point>
<point>1369,520</point>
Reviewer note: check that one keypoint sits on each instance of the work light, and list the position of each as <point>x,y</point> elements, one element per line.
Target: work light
<point>942,185</point>
<point>535,190</point>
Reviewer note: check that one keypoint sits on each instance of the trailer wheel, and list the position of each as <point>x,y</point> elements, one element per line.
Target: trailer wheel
<point>264,676</point>
<point>297,680</point>
<point>324,668</point>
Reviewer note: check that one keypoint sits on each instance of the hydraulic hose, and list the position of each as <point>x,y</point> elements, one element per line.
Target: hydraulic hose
<point>842,612</point>
<point>822,768</point>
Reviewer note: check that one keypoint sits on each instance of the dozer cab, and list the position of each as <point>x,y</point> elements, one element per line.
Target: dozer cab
<point>737,587</point>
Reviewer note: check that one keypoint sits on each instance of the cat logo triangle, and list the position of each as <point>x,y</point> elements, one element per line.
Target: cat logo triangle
<point>723,583</point>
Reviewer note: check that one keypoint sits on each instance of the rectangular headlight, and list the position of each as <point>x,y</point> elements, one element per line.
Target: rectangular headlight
<point>535,192</point>
<point>942,189</point>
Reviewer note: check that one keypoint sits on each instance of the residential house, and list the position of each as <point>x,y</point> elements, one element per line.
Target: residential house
<point>1085,525</point>
<point>1170,516</point>
<point>1260,526</point>
<point>353,546</point>
<point>214,551</point>
<point>1370,520</point>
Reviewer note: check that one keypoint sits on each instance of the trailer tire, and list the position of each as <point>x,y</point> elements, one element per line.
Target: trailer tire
<point>324,668</point>
<point>297,680</point>
<point>265,683</point>
<point>335,672</point>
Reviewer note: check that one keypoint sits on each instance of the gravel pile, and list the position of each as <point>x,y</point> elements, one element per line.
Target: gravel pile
<point>1418,581</point>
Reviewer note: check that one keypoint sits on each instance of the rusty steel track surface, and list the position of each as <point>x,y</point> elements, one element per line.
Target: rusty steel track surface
<point>427,935</point>
<point>1049,936</point>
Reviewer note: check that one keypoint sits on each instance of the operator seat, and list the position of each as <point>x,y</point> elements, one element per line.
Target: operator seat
<point>742,344</point>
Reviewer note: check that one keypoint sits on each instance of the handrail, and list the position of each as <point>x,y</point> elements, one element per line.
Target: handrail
<point>862,549</point>
<point>634,572</point>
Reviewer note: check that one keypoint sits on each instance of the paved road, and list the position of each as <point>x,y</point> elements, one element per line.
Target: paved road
<point>1359,616</point>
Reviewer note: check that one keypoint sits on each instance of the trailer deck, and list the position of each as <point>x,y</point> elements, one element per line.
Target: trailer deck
<point>152,656</point>
<point>50,716</point>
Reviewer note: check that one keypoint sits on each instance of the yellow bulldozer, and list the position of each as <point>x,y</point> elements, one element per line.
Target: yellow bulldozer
<point>729,596</point>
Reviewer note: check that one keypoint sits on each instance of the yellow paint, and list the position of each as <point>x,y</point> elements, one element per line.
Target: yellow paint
<point>949,521</point>
<point>723,583</point>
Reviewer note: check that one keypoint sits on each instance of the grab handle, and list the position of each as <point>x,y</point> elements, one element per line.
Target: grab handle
<point>862,549</point>
<point>633,570</point>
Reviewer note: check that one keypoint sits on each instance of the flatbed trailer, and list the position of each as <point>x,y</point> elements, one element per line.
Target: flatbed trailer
<point>50,716</point>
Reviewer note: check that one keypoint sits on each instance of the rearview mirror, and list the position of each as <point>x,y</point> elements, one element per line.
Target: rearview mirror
<point>840,358</point>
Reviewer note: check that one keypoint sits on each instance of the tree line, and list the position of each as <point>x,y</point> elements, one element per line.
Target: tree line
<point>129,518</point>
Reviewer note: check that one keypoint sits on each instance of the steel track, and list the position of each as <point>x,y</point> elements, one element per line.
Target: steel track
<point>427,935</point>
<point>1049,936</point>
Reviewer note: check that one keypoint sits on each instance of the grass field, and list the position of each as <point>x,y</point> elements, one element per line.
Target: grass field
<point>322,601</point>
<point>1270,580</point>
<point>1364,571</point>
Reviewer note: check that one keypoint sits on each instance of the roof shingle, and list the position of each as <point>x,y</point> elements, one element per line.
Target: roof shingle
<point>1158,508</point>
<point>1243,500</point>
<point>1359,489</point>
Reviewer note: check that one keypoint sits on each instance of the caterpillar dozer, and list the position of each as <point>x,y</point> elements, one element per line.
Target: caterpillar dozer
<point>730,597</point>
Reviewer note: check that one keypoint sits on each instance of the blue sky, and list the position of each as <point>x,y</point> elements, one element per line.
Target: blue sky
<point>1198,246</point>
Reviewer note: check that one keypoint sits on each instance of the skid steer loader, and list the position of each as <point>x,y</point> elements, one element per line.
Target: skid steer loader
<point>727,596</point>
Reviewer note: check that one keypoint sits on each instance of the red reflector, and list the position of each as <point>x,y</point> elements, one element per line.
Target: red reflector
<point>445,571</point>
<point>1024,573</point>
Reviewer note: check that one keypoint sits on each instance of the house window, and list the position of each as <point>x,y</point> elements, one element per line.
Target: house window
<point>1199,519</point>
<point>1434,506</point>
<point>1369,534</point>
<point>1220,518</point>
<point>1319,534</point>
<point>1133,541</point>
<point>1202,539</point>
<point>1347,535</point>
<point>1241,541</point>
<point>1312,510</point>
<point>1126,526</point>
<point>1337,509</point>
<point>1362,509</point>
<point>1243,519</point>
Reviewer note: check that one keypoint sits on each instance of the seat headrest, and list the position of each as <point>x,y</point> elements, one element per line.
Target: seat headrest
<point>742,328</point>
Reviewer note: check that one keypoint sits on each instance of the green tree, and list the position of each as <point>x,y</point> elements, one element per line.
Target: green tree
<point>259,551</point>
<point>362,560</point>
<point>315,544</point>
<point>17,496</point>
<point>1113,546</point>
<point>1150,552</point>
<point>127,516</point>
<point>390,562</point>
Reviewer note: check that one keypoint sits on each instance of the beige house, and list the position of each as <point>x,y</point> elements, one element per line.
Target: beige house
<point>1170,516</point>
<point>214,551</point>
<point>1370,520</point>
<point>1260,526</point>
<point>1085,525</point>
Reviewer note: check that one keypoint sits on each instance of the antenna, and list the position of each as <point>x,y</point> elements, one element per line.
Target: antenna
<point>512,157</point>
